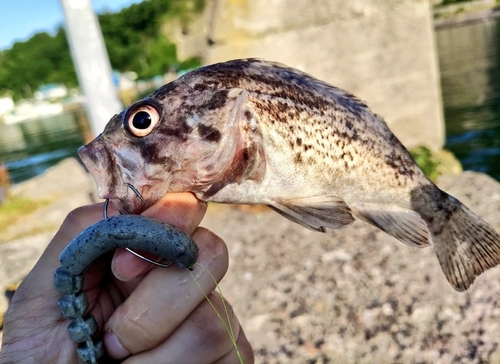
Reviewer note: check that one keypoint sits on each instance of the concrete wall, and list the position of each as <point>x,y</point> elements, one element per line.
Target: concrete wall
<point>382,51</point>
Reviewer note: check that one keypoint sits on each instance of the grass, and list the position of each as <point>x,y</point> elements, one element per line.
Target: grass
<point>426,161</point>
<point>14,209</point>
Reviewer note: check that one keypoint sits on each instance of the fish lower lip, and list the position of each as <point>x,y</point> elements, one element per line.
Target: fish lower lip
<point>127,206</point>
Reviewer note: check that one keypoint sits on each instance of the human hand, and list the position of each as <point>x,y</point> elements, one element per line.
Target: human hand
<point>150,314</point>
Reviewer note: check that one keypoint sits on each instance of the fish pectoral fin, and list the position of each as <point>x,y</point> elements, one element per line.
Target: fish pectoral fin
<point>405,225</point>
<point>315,213</point>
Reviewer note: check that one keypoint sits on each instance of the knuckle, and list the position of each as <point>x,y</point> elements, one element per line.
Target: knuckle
<point>213,328</point>
<point>136,334</point>
<point>75,215</point>
<point>82,216</point>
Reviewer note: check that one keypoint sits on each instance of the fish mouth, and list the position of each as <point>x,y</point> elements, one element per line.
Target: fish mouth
<point>108,177</point>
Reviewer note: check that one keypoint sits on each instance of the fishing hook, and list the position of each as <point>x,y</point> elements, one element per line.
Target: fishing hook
<point>137,193</point>
<point>105,214</point>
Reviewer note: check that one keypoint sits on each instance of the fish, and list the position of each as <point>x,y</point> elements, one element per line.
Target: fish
<point>250,131</point>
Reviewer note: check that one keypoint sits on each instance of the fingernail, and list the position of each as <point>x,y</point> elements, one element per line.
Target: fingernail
<point>114,347</point>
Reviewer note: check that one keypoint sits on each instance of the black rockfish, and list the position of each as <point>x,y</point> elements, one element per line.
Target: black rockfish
<point>255,132</point>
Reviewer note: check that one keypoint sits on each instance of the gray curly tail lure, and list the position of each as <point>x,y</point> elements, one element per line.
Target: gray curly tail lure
<point>124,231</point>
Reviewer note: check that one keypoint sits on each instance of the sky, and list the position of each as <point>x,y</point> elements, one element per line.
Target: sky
<point>20,19</point>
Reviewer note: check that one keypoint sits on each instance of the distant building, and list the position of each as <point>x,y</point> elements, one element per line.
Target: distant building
<point>6,105</point>
<point>26,110</point>
<point>51,91</point>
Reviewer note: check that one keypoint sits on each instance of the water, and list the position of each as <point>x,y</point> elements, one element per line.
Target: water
<point>470,80</point>
<point>30,147</point>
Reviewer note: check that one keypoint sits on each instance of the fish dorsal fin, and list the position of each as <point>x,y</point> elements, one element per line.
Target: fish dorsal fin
<point>315,213</point>
<point>405,225</point>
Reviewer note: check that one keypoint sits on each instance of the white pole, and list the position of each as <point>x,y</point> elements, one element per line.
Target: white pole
<point>91,62</point>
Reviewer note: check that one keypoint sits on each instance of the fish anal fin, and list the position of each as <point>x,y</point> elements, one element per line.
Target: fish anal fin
<point>316,213</point>
<point>403,224</point>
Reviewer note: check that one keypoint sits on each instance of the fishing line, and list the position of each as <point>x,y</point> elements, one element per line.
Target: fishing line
<point>228,326</point>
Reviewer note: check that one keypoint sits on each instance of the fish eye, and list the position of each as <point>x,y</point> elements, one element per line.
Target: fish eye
<point>142,120</point>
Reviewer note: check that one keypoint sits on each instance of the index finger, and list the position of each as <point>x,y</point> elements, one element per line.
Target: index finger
<point>164,298</point>
<point>182,210</point>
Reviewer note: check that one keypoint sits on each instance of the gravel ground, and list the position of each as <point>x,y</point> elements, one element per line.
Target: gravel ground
<point>348,296</point>
<point>357,295</point>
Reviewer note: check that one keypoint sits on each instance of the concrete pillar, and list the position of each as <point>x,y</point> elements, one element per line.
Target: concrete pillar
<point>91,62</point>
<point>382,51</point>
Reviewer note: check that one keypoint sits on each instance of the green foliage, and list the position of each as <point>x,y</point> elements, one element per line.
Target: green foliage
<point>133,38</point>
<point>133,35</point>
<point>426,161</point>
<point>447,2</point>
<point>28,65</point>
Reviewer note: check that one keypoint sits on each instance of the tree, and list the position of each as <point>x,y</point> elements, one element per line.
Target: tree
<point>133,39</point>
<point>42,59</point>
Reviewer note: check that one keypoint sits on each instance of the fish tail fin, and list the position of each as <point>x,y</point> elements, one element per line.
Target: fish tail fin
<point>465,244</point>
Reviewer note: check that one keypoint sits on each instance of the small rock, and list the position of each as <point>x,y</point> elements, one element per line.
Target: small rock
<point>336,255</point>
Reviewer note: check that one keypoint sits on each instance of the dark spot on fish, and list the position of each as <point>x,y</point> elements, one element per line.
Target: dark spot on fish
<point>307,147</point>
<point>349,125</point>
<point>114,178</point>
<point>299,142</point>
<point>248,115</point>
<point>443,203</point>
<point>176,126</point>
<point>180,133</point>
<point>271,109</point>
<point>297,158</point>
<point>152,154</point>
<point>217,101</point>
<point>163,91</point>
<point>397,178</point>
<point>246,154</point>
<point>209,133</point>
<point>282,107</point>
<point>401,163</point>
<point>200,87</point>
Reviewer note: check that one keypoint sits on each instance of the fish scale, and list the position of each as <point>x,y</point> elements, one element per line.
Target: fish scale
<point>256,132</point>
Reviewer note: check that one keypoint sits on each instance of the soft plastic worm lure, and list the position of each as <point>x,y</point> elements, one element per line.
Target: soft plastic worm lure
<point>124,231</point>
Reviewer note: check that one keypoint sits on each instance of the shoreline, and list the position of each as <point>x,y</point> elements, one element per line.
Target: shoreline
<point>464,19</point>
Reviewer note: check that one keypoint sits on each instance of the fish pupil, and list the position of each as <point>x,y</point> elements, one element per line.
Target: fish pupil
<point>142,120</point>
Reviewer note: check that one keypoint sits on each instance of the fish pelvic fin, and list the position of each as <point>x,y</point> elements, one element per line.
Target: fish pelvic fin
<point>465,244</point>
<point>403,224</point>
<point>316,213</point>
